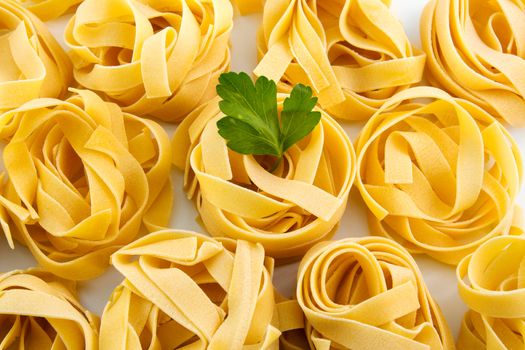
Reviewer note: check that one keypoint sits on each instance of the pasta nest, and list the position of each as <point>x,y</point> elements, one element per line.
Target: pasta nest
<point>185,290</point>
<point>49,9</point>
<point>81,178</point>
<point>33,63</point>
<point>287,211</point>
<point>367,293</point>
<point>492,283</point>
<point>157,57</point>
<point>476,51</point>
<point>354,53</point>
<point>440,177</point>
<point>40,311</point>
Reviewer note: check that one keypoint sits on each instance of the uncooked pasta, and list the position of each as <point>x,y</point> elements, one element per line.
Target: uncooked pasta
<point>184,290</point>
<point>153,57</point>
<point>491,282</point>
<point>354,53</point>
<point>82,177</point>
<point>287,211</point>
<point>367,293</point>
<point>41,311</point>
<point>440,176</point>
<point>476,50</point>
<point>247,7</point>
<point>49,9</point>
<point>33,64</point>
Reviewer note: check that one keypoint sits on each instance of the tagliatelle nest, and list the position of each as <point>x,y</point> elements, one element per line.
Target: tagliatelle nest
<point>185,290</point>
<point>354,53</point>
<point>32,63</point>
<point>492,283</point>
<point>82,177</point>
<point>40,311</point>
<point>476,51</point>
<point>367,293</point>
<point>440,177</point>
<point>152,57</point>
<point>287,211</point>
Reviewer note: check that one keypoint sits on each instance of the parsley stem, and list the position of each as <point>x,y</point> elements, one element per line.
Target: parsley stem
<point>276,164</point>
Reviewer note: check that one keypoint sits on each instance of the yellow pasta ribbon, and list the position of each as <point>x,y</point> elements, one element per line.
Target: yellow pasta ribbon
<point>187,291</point>
<point>476,51</point>
<point>492,283</point>
<point>157,57</point>
<point>439,177</point>
<point>49,9</point>
<point>247,7</point>
<point>287,211</point>
<point>354,53</point>
<point>82,178</point>
<point>33,63</point>
<point>368,294</point>
<point>39,311</point>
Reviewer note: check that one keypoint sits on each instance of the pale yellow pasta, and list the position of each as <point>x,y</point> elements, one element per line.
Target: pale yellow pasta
<point>49,9</point>
<point>368,294</point>
<point>82,177</point>
<point>354,53</point>
<point>492,283</point>
<point>287,211</point>
<point>476,50</point>
<point>32,63</point>
<point>440,177</point>
<point>39,311</point>
<point>247,7</point>
<point>183,290</point>
<point>160,58</point>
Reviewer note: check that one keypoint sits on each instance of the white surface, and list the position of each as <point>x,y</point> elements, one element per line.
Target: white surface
<point>439,278</point>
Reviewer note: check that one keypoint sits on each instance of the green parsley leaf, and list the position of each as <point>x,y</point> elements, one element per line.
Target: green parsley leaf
<point>254,107</point>
<point>297,117</point>
<point>243,138</point>
<point>252,124</point>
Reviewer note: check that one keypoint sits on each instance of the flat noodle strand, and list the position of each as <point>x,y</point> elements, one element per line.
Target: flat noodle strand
<point>47,10</point>
<point>440,177</point>
<point>81,179</point>
<point>40,311</point>
<point>152,57</point>
<point>33,64</point>
<point>247,7</point>
<point>492,283</point>
<point>368,294</point>
<point>287,211</point>
<point>187,291</point>
<point>476,51</point>
<point>354,53</point>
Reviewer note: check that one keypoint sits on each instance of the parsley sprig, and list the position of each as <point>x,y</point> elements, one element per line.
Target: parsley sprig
<point>252,124</point>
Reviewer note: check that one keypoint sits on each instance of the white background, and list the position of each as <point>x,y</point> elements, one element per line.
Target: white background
<point>439,278</point>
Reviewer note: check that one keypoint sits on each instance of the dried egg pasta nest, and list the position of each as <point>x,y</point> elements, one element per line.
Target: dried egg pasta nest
<point>440,177</point>
<point>32,63</point>
<point>156,57</point>
<point>40,311</point>
<point>81,178</point>
<point>476,51</point>
<point>184,290</point>
<point>49,9</point>
<point>366,293</point>
<point>354,53</point>
<point>287,211</point>
<point>492,284</point>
